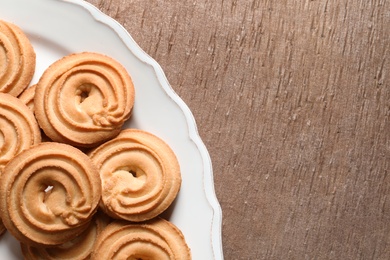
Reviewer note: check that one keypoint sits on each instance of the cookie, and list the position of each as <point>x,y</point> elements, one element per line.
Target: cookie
<point>83,99</point>
<point>17,59</point>
<point>49,194</point>
<point>19,129</point>
<point>140,175</point>
<point>78,248</point>
<point>27,97</point>
<point>2,228</point>
<point>155,239</point>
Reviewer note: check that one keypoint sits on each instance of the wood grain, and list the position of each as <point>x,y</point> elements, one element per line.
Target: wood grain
<point>292,99</point>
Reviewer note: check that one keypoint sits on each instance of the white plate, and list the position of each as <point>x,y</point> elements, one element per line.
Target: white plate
<point>59,27</point>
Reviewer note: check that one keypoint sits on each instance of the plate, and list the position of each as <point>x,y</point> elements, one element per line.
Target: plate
<point>59,27</point>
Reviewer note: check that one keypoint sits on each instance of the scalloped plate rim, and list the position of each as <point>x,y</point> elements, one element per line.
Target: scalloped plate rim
<point>191,123</point>
<point>208,182</point>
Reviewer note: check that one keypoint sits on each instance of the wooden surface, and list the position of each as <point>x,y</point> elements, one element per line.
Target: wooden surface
<point>292,99</point>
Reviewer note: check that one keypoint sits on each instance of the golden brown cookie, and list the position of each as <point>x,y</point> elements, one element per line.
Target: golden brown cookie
<point>79,248</point>
<point>2,228</point>
<point>49,194</point>
<point>19,129</point>
<point>155,239</point>
<point>17,59</point>
<point>83,99</point>
<point>27,97</point>
<point>140,175</point>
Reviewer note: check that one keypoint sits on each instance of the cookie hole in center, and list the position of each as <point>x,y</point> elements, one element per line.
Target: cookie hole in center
<point>134,173</point>
<point>137,258</point>
<point>48,188</point>
<point>83,92</point>
<point>83,96</point>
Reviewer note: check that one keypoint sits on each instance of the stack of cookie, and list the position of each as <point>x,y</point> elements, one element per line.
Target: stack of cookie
<point>73,184</point>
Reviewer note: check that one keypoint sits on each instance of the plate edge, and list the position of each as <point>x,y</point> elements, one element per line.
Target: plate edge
<point>208,179</point>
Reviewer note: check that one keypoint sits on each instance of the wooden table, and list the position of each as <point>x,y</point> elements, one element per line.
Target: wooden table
<point>292,99</point>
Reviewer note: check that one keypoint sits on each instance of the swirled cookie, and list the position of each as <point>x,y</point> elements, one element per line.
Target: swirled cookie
<point>2,228</point>
<point>19,129</point>
<point>49,194</point>
<point>140,175</point>
<point>83,99</point>
<point>79,248</point>
<point>27,97</point>
<point>17,59</point>
<point>155,239</point>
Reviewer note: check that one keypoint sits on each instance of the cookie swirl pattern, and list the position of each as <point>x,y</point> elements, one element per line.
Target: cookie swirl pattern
<point>17,59</point>
<point>155,239</point>
<point>19,129</point>
<point>27,97</point>
<point>79,248</point>
<point>83,99</point>
<point>48,194</point>
<point>140,175</point>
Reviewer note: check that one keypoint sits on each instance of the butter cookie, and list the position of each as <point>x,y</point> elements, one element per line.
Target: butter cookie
<point>140,175</point>
<point>19,129</point>
<point>17,59</point>
<point>49,194</point>
<point>83,99</point>
<point>79,248</point>
<point>155,239</point>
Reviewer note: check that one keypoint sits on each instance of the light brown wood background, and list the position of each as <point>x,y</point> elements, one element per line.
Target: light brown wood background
<point>292,99</point>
